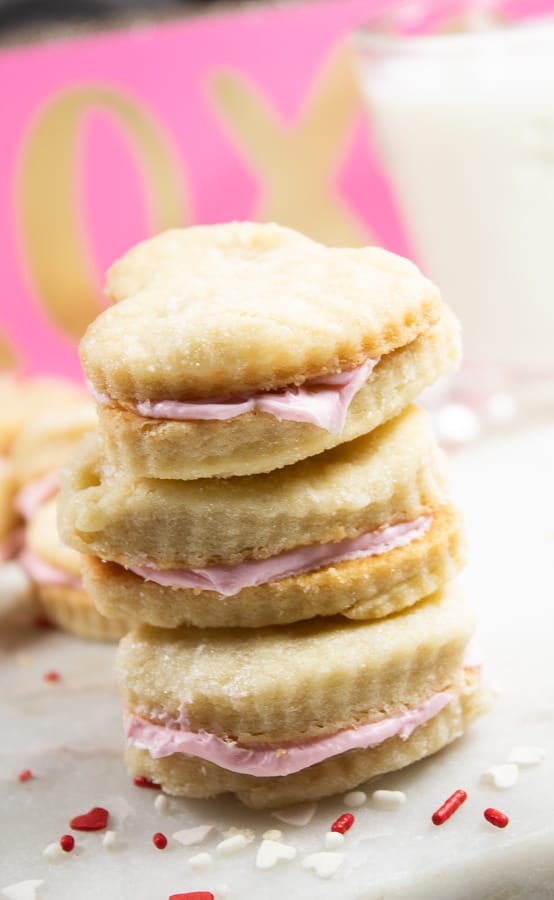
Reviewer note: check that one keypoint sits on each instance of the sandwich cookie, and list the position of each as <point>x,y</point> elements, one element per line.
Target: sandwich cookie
<point>55,570</point>
<point>289,714</point>
<point>44,444</point>
<point>210,539</point>
<point>244,348</point>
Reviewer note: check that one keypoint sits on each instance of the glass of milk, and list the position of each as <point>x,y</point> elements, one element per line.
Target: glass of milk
<point>464,127</point>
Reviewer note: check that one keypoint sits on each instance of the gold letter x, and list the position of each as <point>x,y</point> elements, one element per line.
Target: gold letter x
<point>296,162</point>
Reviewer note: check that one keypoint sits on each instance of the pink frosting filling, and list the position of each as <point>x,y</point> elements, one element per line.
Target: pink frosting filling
<point>322,401</point>
<point>229,580</point>
<point>43,573</point>
<point>268,761</point>
<point>35,493</point>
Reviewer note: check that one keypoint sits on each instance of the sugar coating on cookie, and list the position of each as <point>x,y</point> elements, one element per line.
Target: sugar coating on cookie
<point>256,717</point>
<point>265,311</point>
<point>392,475</point>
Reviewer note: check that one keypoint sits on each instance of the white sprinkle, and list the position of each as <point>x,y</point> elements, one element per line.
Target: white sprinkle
<point>324,864</point>
<point>388,799</point>
<point>162,804</point>
<point>110,840</point>
<point>355,799</point>
<point>270,852</point>
<point>190,836</point>
<point>333,840</point>
<point>273,834</point>
<point>221,890</point>
<point>200,861</point>
<point>23,890</point>
<point>53,852</point>
<point>246,833</point>
<point>296,815</point>
<point>526,756</point>
<point>503,776</point>
<point>232,844</point>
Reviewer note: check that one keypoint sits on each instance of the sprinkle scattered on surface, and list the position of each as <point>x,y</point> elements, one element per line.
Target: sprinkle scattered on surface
<point>22,890</point>
<point>296,815</point>
<point>355,799</point>
<point>190,836</point>
<point>333,840</point>
<point>25,775</point>
<point>200,861</point>
<point>324,864</point>
<point>53,852</point>
<point>110,840</point>
<point>159,840</point>
<point>67,843</point>
<point>526,756</point>
<point>95,819</point>
<point>343,824</point>
<point>193,895</point>
<point>142,782</point>
<point>496,817</point>
<point>388,799</point>
<point>502,776</point>
<point>232,844</point>
<point>449,807</point>
<point>221,890</point>
<point>244,832</point>
<point>272,835</point>
<point>270,852</point>
<point>52,677</point>
<point>162,804</point>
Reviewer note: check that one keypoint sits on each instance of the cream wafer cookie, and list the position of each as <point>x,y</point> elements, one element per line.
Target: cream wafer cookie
<point>274,724</point>
<point>257,349</point>
<point>392,475</point>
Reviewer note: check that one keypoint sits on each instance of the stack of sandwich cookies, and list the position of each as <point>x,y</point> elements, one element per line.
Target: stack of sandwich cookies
<point>314,639</point>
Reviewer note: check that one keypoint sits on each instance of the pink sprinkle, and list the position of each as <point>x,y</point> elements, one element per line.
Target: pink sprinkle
<point>25,775</point>
<point>51,676</point>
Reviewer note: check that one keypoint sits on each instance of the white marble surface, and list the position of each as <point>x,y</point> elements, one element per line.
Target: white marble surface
<point>69,735</point>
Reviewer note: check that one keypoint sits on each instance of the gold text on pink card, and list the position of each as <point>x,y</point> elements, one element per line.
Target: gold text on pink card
<point>53,233</point>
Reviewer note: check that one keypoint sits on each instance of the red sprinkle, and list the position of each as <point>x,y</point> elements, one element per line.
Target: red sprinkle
<point>25,775</point>
<point>193,895</point>
<point>51,676</point>
<point>495,817</point>
<point>95,820</point>
<point>343,823</point>
<point>141,781</point>
<point>67,842</point>
<point>449,807</point>
<point>159,840</point>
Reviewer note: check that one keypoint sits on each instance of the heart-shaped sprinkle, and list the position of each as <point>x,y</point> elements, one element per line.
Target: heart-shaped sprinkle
<point>324,864</point>
<point>270,852</point>
<point>188,837</point>
<point>95,819</point>
<point>193,895</point>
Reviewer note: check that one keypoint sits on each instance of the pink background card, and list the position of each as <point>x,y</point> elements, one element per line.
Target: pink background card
<point>252,114</point>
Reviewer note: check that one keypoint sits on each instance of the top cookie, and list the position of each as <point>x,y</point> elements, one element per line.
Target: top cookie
<point>218,312</point>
